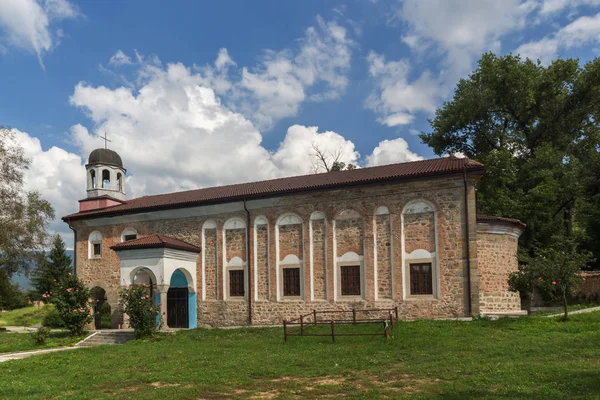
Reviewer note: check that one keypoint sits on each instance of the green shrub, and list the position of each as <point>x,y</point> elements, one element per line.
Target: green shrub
<point>39,335</point>
<point>139,306</point>
<point>71,301</point>
<point>105,316</point>
<point>53,319</point>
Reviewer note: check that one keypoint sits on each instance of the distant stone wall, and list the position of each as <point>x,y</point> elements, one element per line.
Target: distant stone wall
<point>497,245</point>
<point>588,289</point>
<point>359,228</point>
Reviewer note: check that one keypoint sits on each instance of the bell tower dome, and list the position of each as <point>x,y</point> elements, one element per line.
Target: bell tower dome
<point>105,174</point>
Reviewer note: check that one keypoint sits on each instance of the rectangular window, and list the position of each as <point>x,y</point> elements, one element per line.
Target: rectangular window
<point>421,278</point>
<point>350,280</point>
<point>130,237</point>
<point>97,250</point>
<point>291,281</point>
<point>236,283</point>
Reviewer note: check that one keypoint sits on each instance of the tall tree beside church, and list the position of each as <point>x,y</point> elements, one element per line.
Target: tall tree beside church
<point>535,129</point>
<point>52,270</point>
<point>24,215</point>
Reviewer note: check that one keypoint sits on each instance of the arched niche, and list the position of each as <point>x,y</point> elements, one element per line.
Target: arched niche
<point>95,245</point>
<point>128,234</point>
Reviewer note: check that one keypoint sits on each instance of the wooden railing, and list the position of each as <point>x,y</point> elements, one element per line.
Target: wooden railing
<point>312,319</point>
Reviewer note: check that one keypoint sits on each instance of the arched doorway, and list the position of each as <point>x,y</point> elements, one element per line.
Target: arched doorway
<point>102,310</point>
<point>177,301</point>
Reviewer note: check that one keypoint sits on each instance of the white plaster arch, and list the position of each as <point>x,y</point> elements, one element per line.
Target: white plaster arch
<point>209,224</point>
<point>94,238</point>
<point>350,257</point>
<point>418,206</point>
<point>419,253</point>
<point>234,223</point>
<point>382,210</point>
<point>261,220</point>
<point>348,213</point>
<point>290,259</point>
<point>289,219</point>
<point>317,215</point>
<point>126,232</point>
<point>133,275</point>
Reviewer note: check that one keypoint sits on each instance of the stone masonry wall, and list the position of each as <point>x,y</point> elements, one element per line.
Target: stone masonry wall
<point>262,259</point>
<point>290,241</point>
<point>384,257</point>
<point>319,259</point>
<point>497,258</point>
<point>356,234</point>
<point>211,254</point>
<point>419,232</point>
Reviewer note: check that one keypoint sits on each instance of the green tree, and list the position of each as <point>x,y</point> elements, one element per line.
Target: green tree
<point>554,271</point>
<point>11,296</point>
<point>52,270</point>
<point>534,128</point>
<point>25,215</point>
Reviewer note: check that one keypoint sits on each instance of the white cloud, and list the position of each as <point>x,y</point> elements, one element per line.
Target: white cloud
<point>316,71</point>
<point>295,156</point>
<point>119,58</point>
<point>396,99</point>
<point>550,7</point>
<point>29,24</point>
<point>583,31</point>
<point>390,152</point>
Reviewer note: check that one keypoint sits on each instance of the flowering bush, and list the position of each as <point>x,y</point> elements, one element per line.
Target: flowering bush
<point>71,299</point>
<point>139,306</point>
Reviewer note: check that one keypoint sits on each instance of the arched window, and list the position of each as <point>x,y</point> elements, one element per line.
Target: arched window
<point>93,178</point>
<point>128,234</point>
<point>290,263</point>
<point>419,250</point>
<point>95,245</point>
<point>120,182</point>
<point>105,179</point>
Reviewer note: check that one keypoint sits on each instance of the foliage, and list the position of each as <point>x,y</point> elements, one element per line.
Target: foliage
<point>554,271</point>
<point>139,306</point>
<point>525,358</point>
<point>534,129</point>
<point>40,335</point>
<point>25,215</point>
<point>52,270</point>
<point>53,319</point>
<point>71,301</point>
<point>20,342</point>
<point>11,296</point>
<point>27,316</point>
<point>105,315</point>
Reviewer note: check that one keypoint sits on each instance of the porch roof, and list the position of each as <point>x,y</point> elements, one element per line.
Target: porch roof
<point>156,241</point>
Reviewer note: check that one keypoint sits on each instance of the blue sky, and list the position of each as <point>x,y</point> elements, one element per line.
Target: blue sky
<point>195,94</point>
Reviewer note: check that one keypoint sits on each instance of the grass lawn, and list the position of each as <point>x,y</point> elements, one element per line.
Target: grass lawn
<point>527,358</point>
<point>24,316</point>
<point>10,342</point>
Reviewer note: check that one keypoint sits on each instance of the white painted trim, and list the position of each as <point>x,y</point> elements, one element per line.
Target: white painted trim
<point>94,238</point>
<point>232,223</point>
<point>310,258</point>
<point>334,252</point>
<point>289,219</point>
<point>498,229</point>
<point>317,215</point>
<point>382,210</point>
<point>128,231</point>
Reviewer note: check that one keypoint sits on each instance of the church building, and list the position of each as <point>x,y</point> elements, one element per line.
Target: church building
<point>402,235</point>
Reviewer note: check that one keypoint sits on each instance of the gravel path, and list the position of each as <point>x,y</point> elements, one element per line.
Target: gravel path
<point>23,354</point>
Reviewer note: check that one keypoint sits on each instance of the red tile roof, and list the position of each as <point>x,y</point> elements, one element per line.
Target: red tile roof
<point>512,221</point>
<point>281,186</point>
<point>156,241</point>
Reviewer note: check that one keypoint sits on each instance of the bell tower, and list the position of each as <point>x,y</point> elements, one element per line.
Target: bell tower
<point>105,180</point>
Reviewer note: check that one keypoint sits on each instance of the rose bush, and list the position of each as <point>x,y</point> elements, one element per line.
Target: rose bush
<point>71,299</point>
<point>140,307</point>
